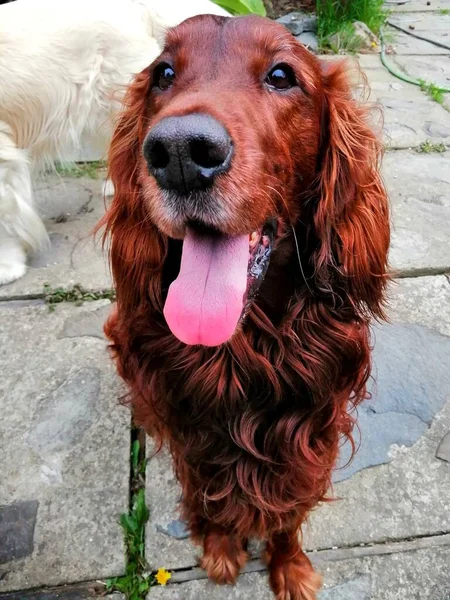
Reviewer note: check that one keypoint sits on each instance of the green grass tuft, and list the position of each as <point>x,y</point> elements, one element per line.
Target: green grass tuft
<point>337,16</point>
<point>428,147</point>
<point>432,90</point>
<point>444,11</point>
<point>136,582</point>
<point>76,294</point>
<point>84,169</point>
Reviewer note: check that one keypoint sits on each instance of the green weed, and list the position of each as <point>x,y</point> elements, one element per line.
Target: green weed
<point>432,90</point>
<point>136,583</point>
<point>444,11</point>
<point>76,294</point>
<point>428,147</point>
<point>83,169</point>
<point>344,39</point>
<point>337,16</point>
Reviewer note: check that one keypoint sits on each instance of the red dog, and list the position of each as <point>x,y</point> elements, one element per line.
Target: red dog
<point>249,236</point>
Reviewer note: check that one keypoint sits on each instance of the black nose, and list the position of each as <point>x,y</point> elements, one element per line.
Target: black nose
<point>186,153</point>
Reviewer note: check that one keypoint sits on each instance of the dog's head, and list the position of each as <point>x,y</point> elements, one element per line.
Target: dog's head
<point>240,144</point>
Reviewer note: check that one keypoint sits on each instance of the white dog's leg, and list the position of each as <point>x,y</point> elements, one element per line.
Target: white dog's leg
<point>108,188</point>
<point>20,226</point>
<point>12,258</point>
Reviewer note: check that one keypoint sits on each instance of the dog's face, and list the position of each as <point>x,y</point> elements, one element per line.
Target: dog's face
<point>234,112</point>
<point>238,102</point>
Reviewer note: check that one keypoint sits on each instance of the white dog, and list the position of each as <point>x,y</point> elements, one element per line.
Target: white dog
<point>61,63</point>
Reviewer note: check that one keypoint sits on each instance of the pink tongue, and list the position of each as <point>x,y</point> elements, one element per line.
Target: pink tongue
<point>205,301</point>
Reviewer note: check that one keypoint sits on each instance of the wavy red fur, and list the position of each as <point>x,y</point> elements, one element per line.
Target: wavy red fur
<point>254,426</point>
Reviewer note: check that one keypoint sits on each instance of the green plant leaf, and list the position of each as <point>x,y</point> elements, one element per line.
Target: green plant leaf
<point>140,508</point>
<point>123,584</point>
<point>129,523</point>
<point>144,586</point>
<point>135,456</point>
<point>110,583</point>
<point>243,7</point>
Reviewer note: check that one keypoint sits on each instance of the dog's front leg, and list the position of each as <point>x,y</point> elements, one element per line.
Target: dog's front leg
<point>291,574</point>
<point>224,554</point>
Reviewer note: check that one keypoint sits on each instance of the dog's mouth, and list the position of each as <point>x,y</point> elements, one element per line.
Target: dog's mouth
<point>219,277</point>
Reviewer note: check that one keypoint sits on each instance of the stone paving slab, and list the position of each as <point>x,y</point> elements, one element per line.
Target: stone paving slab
<point>434,69</point>
<point>404,44</point>
<point>419,6</point>
<point>78,592</point>
<point>70,208</point>
<point>419,192</point>
<point>64,449</point>
<point>422,301</point>
<point>433,26</point>
<point>416,575</point>
<point>408,493</point>
<point>410,116</point>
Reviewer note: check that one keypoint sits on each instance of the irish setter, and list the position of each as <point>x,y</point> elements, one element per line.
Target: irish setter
<point>249,234</point>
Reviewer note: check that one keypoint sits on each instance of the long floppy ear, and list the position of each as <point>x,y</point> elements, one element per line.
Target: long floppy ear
<point>352,215</point>
<point>136,247</point>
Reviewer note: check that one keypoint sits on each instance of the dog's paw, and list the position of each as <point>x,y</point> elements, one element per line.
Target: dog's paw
<point>223,558</point>
<point>294,579</point>
<point>11,272</point>
<point>13,259</point>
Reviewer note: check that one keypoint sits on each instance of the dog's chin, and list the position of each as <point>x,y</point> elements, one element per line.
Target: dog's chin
<point>219,277</point>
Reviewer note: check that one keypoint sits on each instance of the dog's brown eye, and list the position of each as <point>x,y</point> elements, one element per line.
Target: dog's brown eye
<point>281,77</point>
<point>163,76</point>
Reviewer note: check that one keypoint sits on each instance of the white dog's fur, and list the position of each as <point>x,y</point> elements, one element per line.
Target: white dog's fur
<point>61,64</point>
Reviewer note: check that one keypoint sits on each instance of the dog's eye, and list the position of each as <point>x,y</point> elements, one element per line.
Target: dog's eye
<point>281,77</point>
<point>163,76</point>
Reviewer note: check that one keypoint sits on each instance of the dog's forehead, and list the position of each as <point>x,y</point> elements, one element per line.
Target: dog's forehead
<point>211,38</point>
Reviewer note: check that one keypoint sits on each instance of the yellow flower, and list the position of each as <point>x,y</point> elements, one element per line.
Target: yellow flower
<point>162,576</point>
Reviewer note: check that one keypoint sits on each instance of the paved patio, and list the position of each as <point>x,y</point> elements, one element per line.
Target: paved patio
<point>65,440</point>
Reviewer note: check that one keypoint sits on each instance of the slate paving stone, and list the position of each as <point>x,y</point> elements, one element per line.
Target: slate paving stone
<point>87,323</point>
<point>17,522</point>
<point>433,26</point>
<point>419,192</point>
<point>404,44</point>
<point>435,69</point>
<point>64,450</point>
<point>410,116</point>
<point>298,22</point>
<point>410,575</point>
<point>402,407</point>
<point>422,300</point>
<point>418,6</point>
<point>407,490</point>
<point>78,592</point>
<point>443,451</point>
<point>70,207</point>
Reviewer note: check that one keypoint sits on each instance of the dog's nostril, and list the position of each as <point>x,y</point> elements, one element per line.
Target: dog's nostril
<point>208,154</point>
<point>158,156</point>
